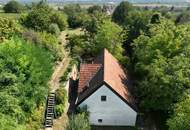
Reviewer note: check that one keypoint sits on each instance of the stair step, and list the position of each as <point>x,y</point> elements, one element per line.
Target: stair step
<point>48,126</point>
<point>51,105</point>
<point>50,110</point>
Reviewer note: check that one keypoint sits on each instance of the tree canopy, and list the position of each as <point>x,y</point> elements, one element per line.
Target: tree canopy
<point>161,63</point>
<point>121,12</point>
<point>13,7</point>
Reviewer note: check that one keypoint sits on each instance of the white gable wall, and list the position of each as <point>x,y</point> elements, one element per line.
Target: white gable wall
<point>113,112</point>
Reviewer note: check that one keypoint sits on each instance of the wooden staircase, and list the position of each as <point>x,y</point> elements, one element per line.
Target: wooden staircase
<point>50,112</point>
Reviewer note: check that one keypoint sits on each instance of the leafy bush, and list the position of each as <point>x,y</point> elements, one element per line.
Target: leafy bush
<point>59,110</point>
<point>78,122</point>
<point>13,7</point>
<point>54,29</point>
<point>8,28</point>
<point>61,96</point>
<point>38,19</point>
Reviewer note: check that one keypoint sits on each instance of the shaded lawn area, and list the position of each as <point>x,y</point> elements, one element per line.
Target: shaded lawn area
<point>113,128</point>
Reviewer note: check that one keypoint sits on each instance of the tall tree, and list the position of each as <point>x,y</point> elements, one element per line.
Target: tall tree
<point>121,12</point>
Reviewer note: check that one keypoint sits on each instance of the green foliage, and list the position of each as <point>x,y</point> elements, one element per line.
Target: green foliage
<point>78,122</point>
<point>8,28</point>
<point>24,72</point>
<point>59,110</point>
<point>38,19</point>
<point>75,15</point>
<point>92,22</point>
<point>7,123</point>
<point>133,20</point>
<point>180,120</point>
<point>61,96</point>
<point>184,17</point>
<point>95,8</point>
<point>76,20</point>
<point>60,20</point>
<point>161,64</point>
<point>54,29</point>
<point>71,9</point>
<point>79,45</point>
<point>64,77</point>
<point>135,23</point>
<point>121,11</point>
<point>45,40</point>
<point>42,16</point>
<point>13,7</point>
<point>109,36</point>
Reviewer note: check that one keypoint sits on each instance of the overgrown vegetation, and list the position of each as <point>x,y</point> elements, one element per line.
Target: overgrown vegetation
<point>24,72</point>
<point>78,122</point>
<point>61,98</point>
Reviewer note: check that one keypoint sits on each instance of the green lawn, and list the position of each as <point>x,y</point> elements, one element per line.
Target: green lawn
<point>9,15</point>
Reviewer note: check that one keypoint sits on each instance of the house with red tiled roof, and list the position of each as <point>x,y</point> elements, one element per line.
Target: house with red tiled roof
<point>104,89</point>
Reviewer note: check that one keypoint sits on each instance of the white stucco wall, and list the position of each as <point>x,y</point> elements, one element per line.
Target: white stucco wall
<point>113,112</point>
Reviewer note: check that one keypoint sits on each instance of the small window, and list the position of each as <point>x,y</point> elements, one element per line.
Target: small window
<point>103,98</point>
<point>100,120</point>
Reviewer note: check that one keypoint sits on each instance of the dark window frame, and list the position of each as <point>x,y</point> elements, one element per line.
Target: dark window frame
<point>100,120</point>
<point>103,98</point>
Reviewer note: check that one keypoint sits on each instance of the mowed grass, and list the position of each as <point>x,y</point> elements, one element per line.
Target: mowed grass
<point>10,15</point>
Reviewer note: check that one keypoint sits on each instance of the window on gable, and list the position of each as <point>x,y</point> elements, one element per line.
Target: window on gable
<point>103,98</point>
<point>99,120</point>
